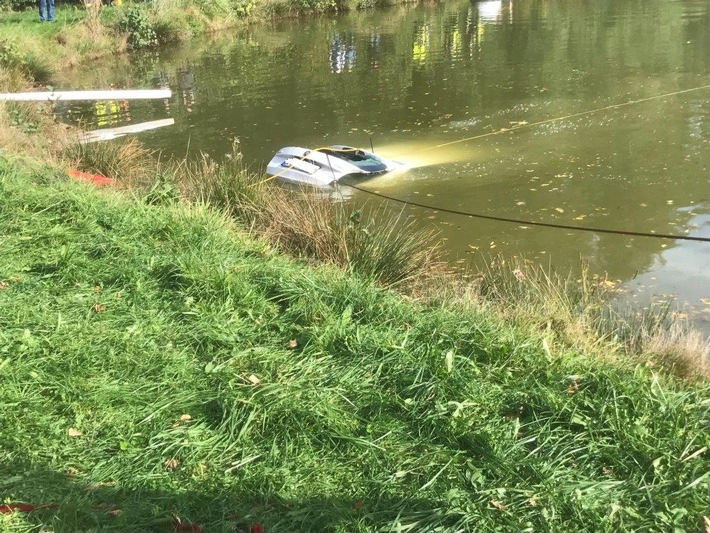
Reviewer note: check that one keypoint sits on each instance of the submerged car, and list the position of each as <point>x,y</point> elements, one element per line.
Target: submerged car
<point>325,166</point>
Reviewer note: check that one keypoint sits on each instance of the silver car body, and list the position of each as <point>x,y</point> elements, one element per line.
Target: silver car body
<point>324,166</point>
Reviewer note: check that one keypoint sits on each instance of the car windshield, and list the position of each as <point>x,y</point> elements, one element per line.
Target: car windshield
<point>362,160</point>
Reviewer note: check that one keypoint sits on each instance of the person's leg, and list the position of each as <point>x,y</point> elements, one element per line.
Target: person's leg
<point>50,11</point>
<point>42,10</point>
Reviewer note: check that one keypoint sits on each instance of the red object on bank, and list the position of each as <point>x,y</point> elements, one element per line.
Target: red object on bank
<point>24,507</point>
<point>96,179</point>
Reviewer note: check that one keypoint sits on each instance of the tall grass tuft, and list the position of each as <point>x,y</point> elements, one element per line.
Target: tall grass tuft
<point>93,18</point>
<point>17,63</point>
<point>372,243</point>
<point>126,161</point>
<point>227,184</point>
<point>679,350</point>
<point>581,312</point>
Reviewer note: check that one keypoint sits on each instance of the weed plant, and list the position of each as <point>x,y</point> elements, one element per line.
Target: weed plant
<point>125,161</point>
<point>156,363</point>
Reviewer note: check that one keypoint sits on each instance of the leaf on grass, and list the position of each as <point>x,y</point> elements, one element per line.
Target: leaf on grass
<point>574,387</point>
<point>449,360</point>
<point>293,343</point>
<point>73,432</point>
<point>171,464</point>
<point>4,284</point>
<point>498,505</point>
<point>98,308</point>
<point>185,418</point>
<point>254,380</point>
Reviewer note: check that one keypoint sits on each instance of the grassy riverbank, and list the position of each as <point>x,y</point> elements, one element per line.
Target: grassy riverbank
<point>159,362</point>
<point>83,34</point>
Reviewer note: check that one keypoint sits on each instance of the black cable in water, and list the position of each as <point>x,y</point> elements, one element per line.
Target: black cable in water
<point>532,223</point>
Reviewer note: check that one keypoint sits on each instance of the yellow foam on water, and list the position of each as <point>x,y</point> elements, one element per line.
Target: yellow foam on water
<point>415,155</point>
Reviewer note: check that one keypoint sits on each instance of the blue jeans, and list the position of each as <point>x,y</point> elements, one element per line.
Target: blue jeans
<point>46,10</point>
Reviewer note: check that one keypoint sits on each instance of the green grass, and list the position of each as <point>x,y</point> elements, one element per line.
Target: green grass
<point>316,401</point>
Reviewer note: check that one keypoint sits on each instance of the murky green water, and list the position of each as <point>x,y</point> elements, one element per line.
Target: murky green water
<point>413,78</point>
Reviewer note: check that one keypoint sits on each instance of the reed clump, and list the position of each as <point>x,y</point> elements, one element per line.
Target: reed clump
<point>128,162</point>
<point>373,243</point>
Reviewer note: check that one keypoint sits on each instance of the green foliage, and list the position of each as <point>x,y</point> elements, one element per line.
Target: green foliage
<point>316,5</point>
<point>11,57</point>
<point>125,161</point>
<point>244,8</point>
<point>136,23</point>
<point>16,5</point>
<point>156,361</point>
<point>22,118</point>
<point>214,8</point>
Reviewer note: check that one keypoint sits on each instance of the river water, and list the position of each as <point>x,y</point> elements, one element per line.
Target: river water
<point>410,79</point>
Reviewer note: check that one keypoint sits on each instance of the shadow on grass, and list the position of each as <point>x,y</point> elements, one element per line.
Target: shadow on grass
<point>63,502</point>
